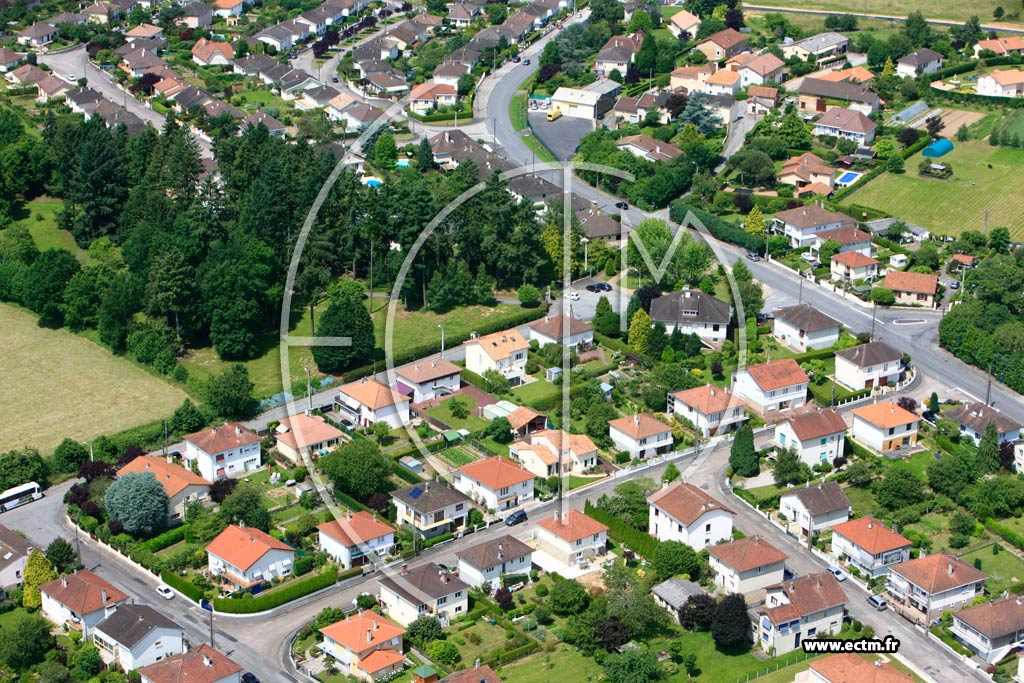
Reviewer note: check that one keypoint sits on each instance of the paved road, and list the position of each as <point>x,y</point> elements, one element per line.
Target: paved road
<point>740,123</point>
<point>1001,28</point>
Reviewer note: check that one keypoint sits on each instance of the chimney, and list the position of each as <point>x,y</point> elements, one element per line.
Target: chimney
<point>207,662</point>
<point>476,665</point>
<point>376,625</point>
<point>63,582</point>
<point>878,662</point>
<point>951,569</point>
<point>369,636</point>
<point>871,525</point>
<point>636,420</point>
<point>147,465</point>
<point>103,595</point>
<point>445,578</point>
<point>404,570</point>
<point>238,430</point>
<point>819,580</point>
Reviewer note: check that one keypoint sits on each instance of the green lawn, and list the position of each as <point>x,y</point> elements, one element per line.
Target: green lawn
<point>40,217</point>
<point>457,457</point>
<point>7,618</point>
<point>932,9</point>
<point>558,666</point>
<point>541,390</point>
<point>984,177</point>
<point>443,412</point>
<point>1002,569</point>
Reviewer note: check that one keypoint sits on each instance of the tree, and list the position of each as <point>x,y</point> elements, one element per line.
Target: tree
<point>529,296</point>
<point>632,666</point>
<point>20,466</point>
<point>917,30</point>
<point>998,12</point>
<point>698,612</point>
<point>883,296</point>
<point>504,598</point>
<point>567,597</point>
<point>987,460</point>
<point>908,403</point>
<point>670,474</point>
<point>754,223</point>
<point>951,474</point>
<point>245,505</point>
<point>424,630</point>
<point>62,556</point>
<point>88,662</point>
<point>672,558</point>
<point>755,168</point>
<point>424,156</point>
<point>900,488</point>
<point>999,240</point>
<point>606,321</point>
<point>640,331</point>
<point>500,430</point>
<point>458,409</point>
<point>385,152</point>
<point>69,456</point>
<point>187,418</point>
<point>38,570</point>
<point>894,164</point>
<point>828,249</point>
<point>444,652</point>
<point>794,131</point>
<point>25,641</point>
<point>358,469</point>
<point>908,136</point>
<point>229,393</point>
<point>789,469</point>
<point>610,633</point>
<point>743,454</point>
<point>47,278</point>
<point>139,501</point>
<point>494,382</point>
<point>346,316</point>
<point>730,627</point>
<point>934,125</point>
<point>933,403</point>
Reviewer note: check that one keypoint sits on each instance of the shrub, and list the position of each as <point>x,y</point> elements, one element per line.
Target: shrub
<point>183,586</point>
<point>291,591</point>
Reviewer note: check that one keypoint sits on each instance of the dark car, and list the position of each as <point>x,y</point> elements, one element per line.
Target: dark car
<point>249,677</point>
<point>334,79</point>
<point>622,205</point>
<point>526,62</point>
<point>516,59</point>
<point>517,517</point>
<point>603,287</point>
<point>593,288</point>
<point>763,318</point>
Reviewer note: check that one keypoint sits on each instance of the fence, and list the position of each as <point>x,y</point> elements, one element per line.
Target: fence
<point>775,666</point>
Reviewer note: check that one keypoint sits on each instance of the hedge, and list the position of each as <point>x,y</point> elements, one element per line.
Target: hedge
<point>720,229</point>
<point>349,502</point>
<point>513,655</point>
<point>613,344</point>
<point>434,118</point>
<point>889,244</point>
<point>166,539</point>
<point>622,533</point>
<point>431,542</point>
<point>1005,533</point>
<point>183,586</point>
<point>769,501</point>
<point>294,590</point>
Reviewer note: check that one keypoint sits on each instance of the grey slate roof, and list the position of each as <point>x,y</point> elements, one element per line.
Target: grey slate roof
<point>806,317</point>
<point>922,56</point>
<point>675,592</point>
<point>429,497</point>
<point>491,553</point>
<point>821,499</point>
<point>838,90</point>
<point>977,415</point>
<point>690,305</point>
<point>872,353</point>
<point>426,581</point>
<point>131,623</point>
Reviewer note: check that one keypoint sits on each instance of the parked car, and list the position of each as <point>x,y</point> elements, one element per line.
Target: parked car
<point>334,79</point>
<point>347,425</point>
<point>526,61</point>
<point>603,287</point>
<point>593,288</point>
<point>165,592</point>
<point>516,59</point>
<point>837,572</point>
<point>572,296</point>
<point>249,677</point>
<point>517,517</point>
<point>878,602</point>
<point>763,318</point>
<point>753,256</point>
<point>622,205</point>
<point>955,284</point>
<point>809,257</point>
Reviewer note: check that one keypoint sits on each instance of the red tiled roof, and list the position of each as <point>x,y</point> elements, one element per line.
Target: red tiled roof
<point>243,547</point>
<point>174,478</point>
<point>854,259</point>
<point>871,535</point>
<point>373,394</point>
<point>807,595</point>
<point>709,399</point>
<point>817,424</point>
<point>351,632</point>
<point>938,573</point>
<point>920,283</point>
<point>379,660</point>
<point>851,668</point>
<point>199,665</point>
<point>222,438</point>
<point>573,526</point>
<point>885,414</point>
<point>747,553</point>
<point>640,426</point>
<point>496,473</point>
<point>82,592</point>
<point>777,374</point>
<point>362,527</point>
<point>685,502</point>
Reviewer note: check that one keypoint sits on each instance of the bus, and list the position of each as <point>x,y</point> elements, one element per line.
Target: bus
<point>19,495</point>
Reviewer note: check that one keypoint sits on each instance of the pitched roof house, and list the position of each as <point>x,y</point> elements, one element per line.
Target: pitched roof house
<point>423,591</point>
<point>693,312</point>
<point>368,401</point>
<point>747,566</point>
<point>869,545</point>
<point>993,629</point>
<point>365,645</point>
<point>852,668</point>
<point>933,583</point>
<point>722,45</point>
<point>181,485</point>
<point>804,327</point>
<point>539,452</point>
<point>561,329</point>
<point>226,450</point>
<point>868,365</point>
<point>243,557</point>
<point>682,512</point>
<point>773,386</point>
<point>801,224</point>
<point>712,409</point>
<point>570,540</point>
<point>646,147</point>
<point>14,551</point>
<point>975,417</point>
<point>885,426</point>
<point>816,507</point>
<point>79,601</point>
<point>641,435</point>
<point>501,351</point>
<point>801,608</point>
<point>202,664</point>
<point>846,123</point>
<point>431,509</point>
<point>135,636</point>
<point>817,436</point>
<point>354,538</point>
<point>815,93</point>
<point>683,22</point>
<point>487,562</point>
<point>497,483</point>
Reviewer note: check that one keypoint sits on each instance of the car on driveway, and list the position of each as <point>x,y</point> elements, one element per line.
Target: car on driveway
<point>878,602</point>
<point>593,288</point>
<point>165,592</point>
<point>517,517</point>
<point>809,257</point>
<point>837,572</point>
<point>572,296</point>
<point>347,425</point>
<point>249,677</point>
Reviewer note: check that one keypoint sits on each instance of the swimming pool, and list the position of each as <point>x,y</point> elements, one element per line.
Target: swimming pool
<point>372,181</point>
<point>849,178</point>
<point>402,163</point>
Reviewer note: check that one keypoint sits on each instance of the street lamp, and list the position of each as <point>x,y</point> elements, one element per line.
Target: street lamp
<point>442,339</point>
<point>586,254</point>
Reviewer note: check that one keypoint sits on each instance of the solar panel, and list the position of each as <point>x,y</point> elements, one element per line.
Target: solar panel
<point>416,493</point>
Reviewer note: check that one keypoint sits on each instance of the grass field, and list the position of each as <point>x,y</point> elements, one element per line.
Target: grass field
<point>1003,569</point>
<point>40,217</point>
<point>541,390</point>
<point>472,421</point>
<point>932,9</point>
<point>61,385</point>
<point>984,177</point>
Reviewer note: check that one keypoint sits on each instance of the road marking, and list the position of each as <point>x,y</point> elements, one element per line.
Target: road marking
<point>967,394</point>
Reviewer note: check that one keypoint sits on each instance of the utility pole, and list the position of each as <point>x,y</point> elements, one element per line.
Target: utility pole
<point>988,386</point>
<point>800,298</point>
<point>165,437</point>
<point>211,626</point>
<point>442,339</point>
<point>92,458</point>
<point>874,307</point>
<point>309,390</point>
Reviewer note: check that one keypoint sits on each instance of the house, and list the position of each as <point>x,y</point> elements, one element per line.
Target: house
<point>572,539</point>
<point>1001,83</point>
<point>599,226</point>
<point>427,97</point>
<point>50,88</point>
<point>993,629</point>
<point>14,551</point>
<point>912,289</point>
<point>804,327</point>
<point>315,97</point>
<point>818,95</point>
<point>683,512</point>
<point>202,664</point>
<point>641,435</point>
<point>800,224</point>
<point>431,509</point>
<point>182,486</point>
<point>251,66</point>
<point>228,450</point>
<point>524,420</point>
<point>575,103</point>
<point>855,74</point>
<point>144,32</point>
<point>407,34</point>
<point>852,266</point>
<point>504,352</point>
<point>692,311</point>
<point>9,59</point>
<point>869,545</point>
<point>923,61</point>
<point>692,78</point>
<point>495,483</point>
<point>228,8</point>
<point>747,566</point>
<point>618,53</point>
<point>810,606</point>
<point>851,668</point>
<point>305,436</point>
<point>562,329</point>
<point>72,18</point>
<point>487,562</point>
<point>646,147</point>
<point>423,591</point>
<point>449,73</point>
<point>975,417</point>
<point>806,169</point>
<point>102,12</point>
<point>37,35</point>
<point>816,507</point>
<point>868,365</point>
<point>368,401</point>
<point>135,636</point>
<point>720,46</point>
<point>769,387</point>
<point>355,116</point>
<point>885,426</point>
<point>713,410</point>
<point>478,674</point>
<point>351,540</point>
<point>762,99</point>
<point>428,379</point>
<point>196,15</point>
<point>683,25</point>
<point>79,100</point>
<point>961,262</point>
<point>542,452</point>
<point>846,123</point>
<point>244,557</point>
<point>461,14</point>
<point>849,237</point>
<point>365,645</point>
<point>140,60</point>
<point>278,37</point>
<point>1003,47</point>
<point>724,82</point>
<point>79,601</point>
<point>673,595</point>
<point>817,437</point>
<point>763,69</point>
<point>261,118</point>
<point>932,584</point>
<point>822,45</point>
<point>26,74</point>
<point>378,48</point>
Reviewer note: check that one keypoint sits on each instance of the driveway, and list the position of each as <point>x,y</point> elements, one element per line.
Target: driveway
<point>563,136</point>
<point>740,123</point>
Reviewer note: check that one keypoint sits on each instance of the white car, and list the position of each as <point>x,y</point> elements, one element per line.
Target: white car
<point>165,592</point>
<point>809,257</point>
<point>572,296</point>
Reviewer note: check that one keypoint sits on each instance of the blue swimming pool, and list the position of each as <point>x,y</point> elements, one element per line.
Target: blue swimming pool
<point>402,163</point>
<point>849,178</point>
<point>372,182</point>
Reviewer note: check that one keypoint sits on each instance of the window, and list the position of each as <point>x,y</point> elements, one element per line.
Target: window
<point>892,430</point>
<point>579,542</point>
<point>458,609</point>
<point>811,632</point>
<point>707,527</point>
<point>824,441</point>
<point>458,594</point>
<point>597,537</point>
<point>442,601</point>
<point>460,507</point>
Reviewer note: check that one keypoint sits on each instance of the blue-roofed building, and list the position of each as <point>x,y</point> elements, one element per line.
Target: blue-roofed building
<point>939,148</point>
